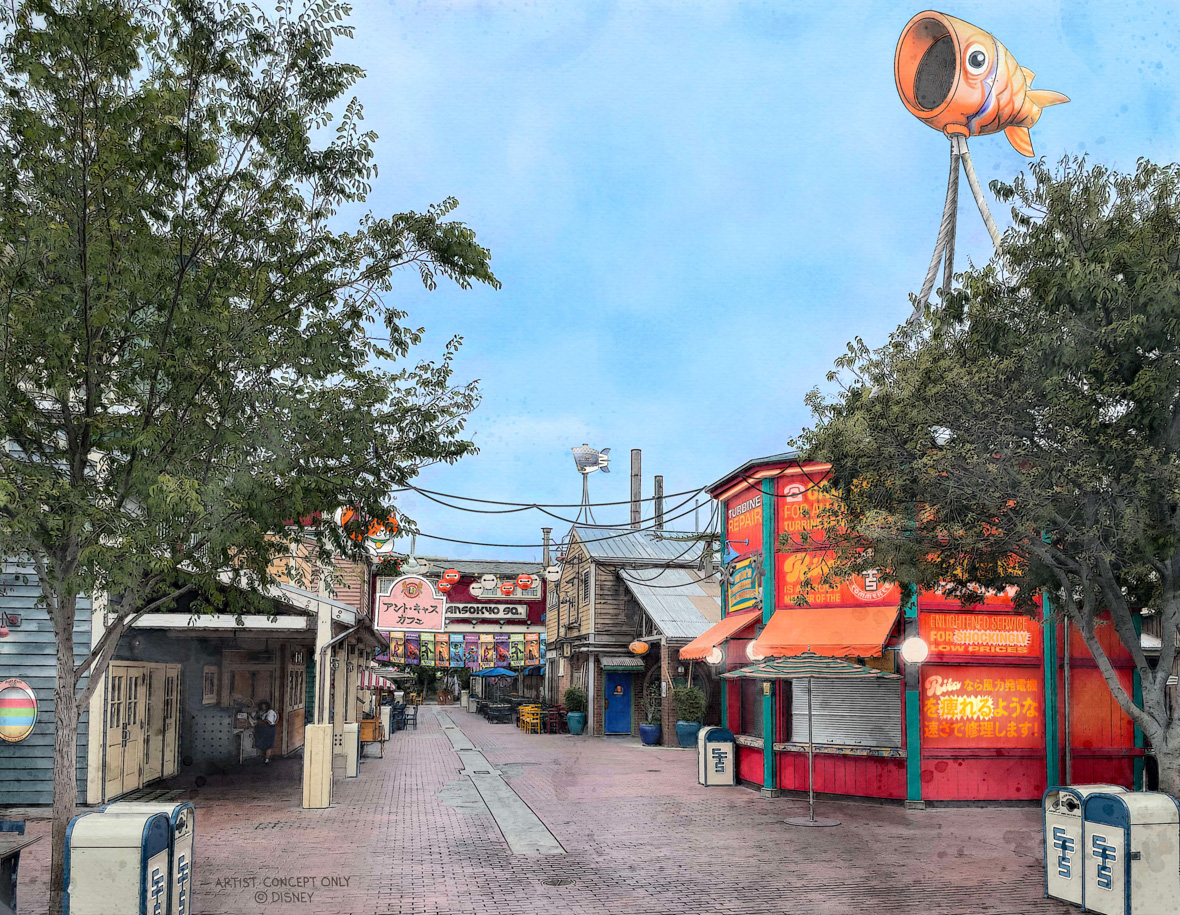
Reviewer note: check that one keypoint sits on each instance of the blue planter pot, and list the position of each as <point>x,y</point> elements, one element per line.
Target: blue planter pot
<point>649,734</point>
<point>576,722</point>
<point>686,733</point>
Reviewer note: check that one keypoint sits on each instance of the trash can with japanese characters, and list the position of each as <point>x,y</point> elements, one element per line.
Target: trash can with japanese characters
<point>716,757</point>
<point>182,821</point>
<point>1131,843</point>
<point>117,862</point>
<point>1062,808</point>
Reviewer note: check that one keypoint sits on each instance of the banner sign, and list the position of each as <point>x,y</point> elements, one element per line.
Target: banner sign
<point>802,510</point>
<point>541,654</point>
<point>501,650</point>
<point>427,649</point>
<point>412,648</point>
<point>744,592</point>
<point>442,650</point>
<point>532,649</point>
<point>981,634</point>
<point>471,651</point>
<point>743,522</point>
<point>793,569</point>
<point>982,707</point>
<point>516,650</point>
<point>397,643</point>
<point>409,602</point>
<point>487,611</point>
<point>487,650</point>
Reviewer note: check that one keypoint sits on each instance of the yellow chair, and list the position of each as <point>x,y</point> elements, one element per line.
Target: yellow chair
<point>530,719</point>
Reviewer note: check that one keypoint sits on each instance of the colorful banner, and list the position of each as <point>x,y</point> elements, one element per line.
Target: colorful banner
<point>982,707</point>
<point>541,654</point>
<point>487,651</point>
<point>471,651</point>
<point>803,510</point>
<point>794,569</point>
<point>427,649</point>
<point>516,650</point>
<point>743,592</point>
<point>458,651</point>
<point>409,602</point>
<point>501,642</point>
<point>397,652</point>
<point>442,650</point>
<point>743,522</point>
<point>981,634</point>
<point>532,649</point>
<point>412,648</point>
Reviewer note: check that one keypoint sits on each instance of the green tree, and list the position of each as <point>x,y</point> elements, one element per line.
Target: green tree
<point>190,354</point>
<point>1027,432</point>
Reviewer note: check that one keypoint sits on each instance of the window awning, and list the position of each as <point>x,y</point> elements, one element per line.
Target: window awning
<point>699,648</point>
<point>622,662</point>
<point>369,679</point>
<point>833,632</point>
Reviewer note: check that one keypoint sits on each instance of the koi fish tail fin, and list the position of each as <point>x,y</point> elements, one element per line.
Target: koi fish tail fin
<point>1029,76</point>
<point>1020,140</point>
<point>1043,98</point>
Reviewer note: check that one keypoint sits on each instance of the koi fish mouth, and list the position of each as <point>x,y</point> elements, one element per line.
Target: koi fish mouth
<point>936,74</point>
<point>926,65</point>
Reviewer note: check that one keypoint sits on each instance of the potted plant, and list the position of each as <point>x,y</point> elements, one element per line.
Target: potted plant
<point>690,711</point>
<point>653,706</point>
<point>575,703</point>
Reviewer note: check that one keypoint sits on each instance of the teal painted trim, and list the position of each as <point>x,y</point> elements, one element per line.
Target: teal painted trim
<point>1137,696</point>
<point>769,595</point>
<point>768,738</point>
<point>910,604</point>
<point>913,746</point>
<point>1049,666</point>
<point>723,527</point>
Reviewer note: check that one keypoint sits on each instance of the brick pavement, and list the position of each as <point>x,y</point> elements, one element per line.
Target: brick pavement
<point>411,836</point>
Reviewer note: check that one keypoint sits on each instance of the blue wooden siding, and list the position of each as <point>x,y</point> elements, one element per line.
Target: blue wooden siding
<point>26,768</point>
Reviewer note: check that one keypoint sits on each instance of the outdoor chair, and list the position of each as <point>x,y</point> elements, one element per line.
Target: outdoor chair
<point>410,716</point>
<point>530,719</point>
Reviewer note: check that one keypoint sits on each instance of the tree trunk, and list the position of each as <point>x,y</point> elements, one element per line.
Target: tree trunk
<point>1168,759</point>
<point>65,750</point>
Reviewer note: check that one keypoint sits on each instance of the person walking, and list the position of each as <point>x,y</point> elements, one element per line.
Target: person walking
<point>265,724</point>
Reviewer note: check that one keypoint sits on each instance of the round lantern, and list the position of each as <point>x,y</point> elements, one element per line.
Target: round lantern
<point>638,647</point>
<point>451,576</point>
<point>715,656</point>
<point>489,584</point>
<point>914,650</point>
<point>445,586</point>
<point>524,582</point>
<point>375,529</point>
<point>753,652</point>
<point>553,574</point>
<point>507,588</point>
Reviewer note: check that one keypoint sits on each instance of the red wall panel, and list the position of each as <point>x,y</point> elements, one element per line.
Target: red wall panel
<point>1097,770</point>
<point>983,778</point>
<point>750,764</point>
<point>1096,721</point>
<point>860,776</point>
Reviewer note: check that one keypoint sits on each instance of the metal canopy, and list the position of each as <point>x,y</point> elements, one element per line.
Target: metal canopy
<point>807,666</point>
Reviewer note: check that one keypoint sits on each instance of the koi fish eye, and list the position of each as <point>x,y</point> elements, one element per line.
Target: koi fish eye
<point>976,59</point>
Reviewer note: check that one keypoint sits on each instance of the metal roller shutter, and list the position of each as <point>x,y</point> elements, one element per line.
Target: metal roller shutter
<point>858,713</point>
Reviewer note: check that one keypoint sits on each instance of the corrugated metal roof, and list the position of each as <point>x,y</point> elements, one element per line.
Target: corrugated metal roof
<point>621,544</point>
<point>680,606</point>
<point>621,662</point>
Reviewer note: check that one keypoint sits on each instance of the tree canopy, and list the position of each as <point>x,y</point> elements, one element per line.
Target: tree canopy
<point>1025,433</point>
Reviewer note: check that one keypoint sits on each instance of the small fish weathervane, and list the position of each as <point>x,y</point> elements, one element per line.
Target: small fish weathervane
<point>589,459</point>
<point>957,78</point>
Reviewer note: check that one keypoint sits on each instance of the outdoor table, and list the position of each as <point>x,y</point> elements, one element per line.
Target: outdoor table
<point>10,849</point>
<point>372,731</point>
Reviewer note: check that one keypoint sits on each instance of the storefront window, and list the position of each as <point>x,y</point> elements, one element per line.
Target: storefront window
<point>751,724</point>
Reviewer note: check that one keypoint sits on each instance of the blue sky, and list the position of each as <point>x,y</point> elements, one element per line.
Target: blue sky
<point>692,208</point>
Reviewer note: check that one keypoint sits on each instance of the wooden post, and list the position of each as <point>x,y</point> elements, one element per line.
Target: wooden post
<point>636,487</point>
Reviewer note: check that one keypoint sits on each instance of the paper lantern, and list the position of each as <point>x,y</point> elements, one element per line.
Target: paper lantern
<point>524,582</point>
<point>445,586</point>
<point>638,647</point>
<point>553,574</point>
<point>507,588</point>
<point>375,529</point>
<point>716,656</point>
<point>451,576</point>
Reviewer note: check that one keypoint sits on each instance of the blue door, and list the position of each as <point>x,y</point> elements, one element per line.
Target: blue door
<point>618,703</point>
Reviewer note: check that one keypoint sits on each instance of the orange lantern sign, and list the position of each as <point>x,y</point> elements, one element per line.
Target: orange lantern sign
<point>445,586</point>
<point>451,576</point>
<point>524,581</point>
<point>638,647</point>
<point>507,588</point>
<point>374,530</point>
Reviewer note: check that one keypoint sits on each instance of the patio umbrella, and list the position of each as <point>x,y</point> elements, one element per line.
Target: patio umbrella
<point>808,666</point>
<point>494,672</point>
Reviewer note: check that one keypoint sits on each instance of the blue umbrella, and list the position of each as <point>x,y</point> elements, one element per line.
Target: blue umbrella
<point>494,672</point>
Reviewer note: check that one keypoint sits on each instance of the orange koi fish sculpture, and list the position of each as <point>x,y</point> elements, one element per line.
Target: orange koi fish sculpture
<point>957,78</point>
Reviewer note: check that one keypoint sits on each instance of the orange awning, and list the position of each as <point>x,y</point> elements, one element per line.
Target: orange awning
<point>699,648</point>
<point>833,632</point>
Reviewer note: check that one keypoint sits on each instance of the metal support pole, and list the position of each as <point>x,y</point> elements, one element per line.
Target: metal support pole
<point>1068,733</point>
<point>810,756</point>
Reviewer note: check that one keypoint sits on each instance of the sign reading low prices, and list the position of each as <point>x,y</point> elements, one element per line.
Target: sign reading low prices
<point>978,706</point>
<point>981,634</point>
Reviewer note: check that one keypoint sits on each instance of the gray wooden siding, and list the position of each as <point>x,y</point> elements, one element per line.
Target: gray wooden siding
<point>26,768</point>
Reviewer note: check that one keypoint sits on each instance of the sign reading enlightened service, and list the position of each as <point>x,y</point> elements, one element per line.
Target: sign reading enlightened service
<point>981,634</point>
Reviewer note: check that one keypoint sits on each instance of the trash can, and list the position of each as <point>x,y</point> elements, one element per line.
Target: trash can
<point>1064,862</point>
<point>352,749</point>
<point>182,821</point>
<point>463,694</point>
<point>117,862</point>
<point>716,757</point>
<point>1132,846</point>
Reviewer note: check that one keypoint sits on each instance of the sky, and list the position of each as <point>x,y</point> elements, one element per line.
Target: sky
<point>692,207</point>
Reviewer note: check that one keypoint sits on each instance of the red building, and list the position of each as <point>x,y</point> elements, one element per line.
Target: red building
<point>982,718</point>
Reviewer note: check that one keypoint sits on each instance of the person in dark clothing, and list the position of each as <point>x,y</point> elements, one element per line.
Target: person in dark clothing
<point>266,721</point>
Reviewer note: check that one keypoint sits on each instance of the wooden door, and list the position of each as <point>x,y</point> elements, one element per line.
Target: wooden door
<point>171,718</point>
<point>153,731</point>
<point>115,736</point>
<point>133,727</point>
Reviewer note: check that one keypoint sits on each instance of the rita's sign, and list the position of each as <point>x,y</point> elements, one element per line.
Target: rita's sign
<point>977,707</point>
<point>410,602</point>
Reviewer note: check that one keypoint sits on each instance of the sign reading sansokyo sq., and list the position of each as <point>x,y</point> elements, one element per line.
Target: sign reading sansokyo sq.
<point>409,602</point>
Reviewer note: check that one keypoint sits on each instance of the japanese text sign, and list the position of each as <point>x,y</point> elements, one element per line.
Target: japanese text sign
<point>982,707</point>
<point>410,602</point>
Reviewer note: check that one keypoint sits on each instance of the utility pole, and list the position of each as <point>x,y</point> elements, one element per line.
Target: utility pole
<point>659,502</point>
<point>636,487</point>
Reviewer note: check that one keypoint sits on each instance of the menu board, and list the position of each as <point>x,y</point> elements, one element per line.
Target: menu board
<point>982,707</point>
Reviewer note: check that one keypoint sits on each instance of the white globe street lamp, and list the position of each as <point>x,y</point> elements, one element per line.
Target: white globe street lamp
<point>914,650</point>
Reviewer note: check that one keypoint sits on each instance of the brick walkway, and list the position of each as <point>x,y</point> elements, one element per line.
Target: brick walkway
<point>410,836</point>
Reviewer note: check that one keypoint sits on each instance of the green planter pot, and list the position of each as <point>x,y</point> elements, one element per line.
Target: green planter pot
<point>686,733</point>
<point>576,722</point>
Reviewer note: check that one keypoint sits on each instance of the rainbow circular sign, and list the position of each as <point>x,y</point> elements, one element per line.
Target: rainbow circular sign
<point>18,710</point>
